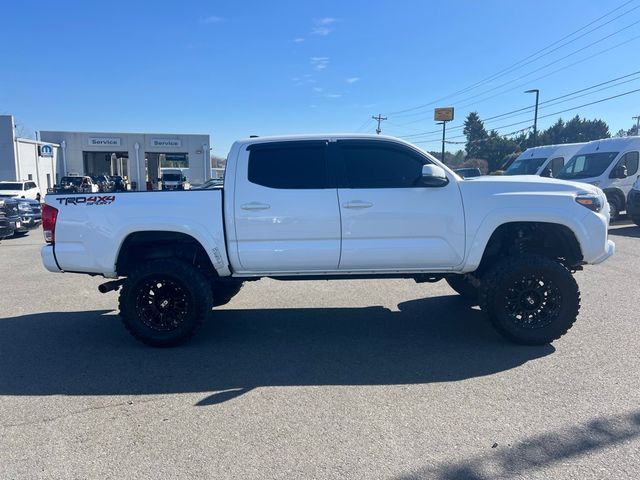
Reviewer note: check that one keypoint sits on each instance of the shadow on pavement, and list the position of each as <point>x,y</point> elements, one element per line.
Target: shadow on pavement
<point>631,231</point>
<point>539,451</point>
<point>89,353</point>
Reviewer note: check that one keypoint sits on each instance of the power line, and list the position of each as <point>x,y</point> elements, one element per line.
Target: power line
<point>550,114</point>
<point>495,75</point>
<point>475,100</point>
<point>546,103</point>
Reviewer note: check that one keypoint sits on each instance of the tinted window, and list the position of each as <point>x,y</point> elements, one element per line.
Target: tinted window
<point>525,166</point>
<point>630,160</point>
<point>380,166</point>
<point>288,167</point>
<point>587,165</point>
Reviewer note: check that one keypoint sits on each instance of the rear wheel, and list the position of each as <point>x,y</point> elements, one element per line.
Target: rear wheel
<point>464,286</point>
<point>162,302</point>
<point>530,299</point>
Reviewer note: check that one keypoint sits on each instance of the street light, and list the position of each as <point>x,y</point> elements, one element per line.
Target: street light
<point>535,118</point>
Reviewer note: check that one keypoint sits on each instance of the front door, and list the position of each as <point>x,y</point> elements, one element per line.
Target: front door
<point>286,209</point>
<point>390,220</point>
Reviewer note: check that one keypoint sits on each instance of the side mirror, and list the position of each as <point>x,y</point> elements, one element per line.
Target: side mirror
<point>620,172</point>
<point>546,173</point>
<point>434,176</point>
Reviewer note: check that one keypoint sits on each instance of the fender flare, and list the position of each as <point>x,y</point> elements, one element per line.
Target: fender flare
<point>216,250</point>
<point>495,219</point>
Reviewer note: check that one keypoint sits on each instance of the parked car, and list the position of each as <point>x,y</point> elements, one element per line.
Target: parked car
<point>104,183</point>
<point>23,189</point>
<point>77,184</point>
<point>30,212</point>
<point>9,217</point>
<point>610,164</point>
<point>633,203</point>
<point>355,206</point>
<point>212,183</point>
<point>546,161</point>
<point>119,185</point>
<point>468,172</point>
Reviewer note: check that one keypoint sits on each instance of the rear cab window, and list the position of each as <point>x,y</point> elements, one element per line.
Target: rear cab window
<point>299,165</point>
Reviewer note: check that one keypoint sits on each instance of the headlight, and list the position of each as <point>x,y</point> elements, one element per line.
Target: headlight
<point>24,207</point>
<point>591,201</point>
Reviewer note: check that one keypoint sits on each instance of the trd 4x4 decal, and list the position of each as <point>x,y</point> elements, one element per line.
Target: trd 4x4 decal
<point>92,200</point>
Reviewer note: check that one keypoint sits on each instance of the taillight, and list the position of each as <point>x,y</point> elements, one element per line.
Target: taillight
<point>49,217</point>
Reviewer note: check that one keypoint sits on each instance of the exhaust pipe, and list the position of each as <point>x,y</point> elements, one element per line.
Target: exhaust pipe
<point>109,286</point>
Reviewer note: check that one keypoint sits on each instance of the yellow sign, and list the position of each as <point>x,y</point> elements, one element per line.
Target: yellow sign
<point>443,114</point>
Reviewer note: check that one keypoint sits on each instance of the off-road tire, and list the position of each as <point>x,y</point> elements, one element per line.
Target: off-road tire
<point>223,292</point>
<point>530,299</point>
<point>190,302</point>
<point>462,284</point>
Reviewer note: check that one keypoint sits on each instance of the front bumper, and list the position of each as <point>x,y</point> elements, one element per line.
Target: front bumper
<point>610,250</point>
<point>29,222</point>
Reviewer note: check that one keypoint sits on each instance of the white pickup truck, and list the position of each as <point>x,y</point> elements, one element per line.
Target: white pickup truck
<point>335,206</point>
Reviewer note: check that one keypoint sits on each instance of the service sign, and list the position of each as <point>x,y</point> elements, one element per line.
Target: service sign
<point>166,142</point>
<point>46,150</point>
<point>443,114</point>
<point>104,141</point>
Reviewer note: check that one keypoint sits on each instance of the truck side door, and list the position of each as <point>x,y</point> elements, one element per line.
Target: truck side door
<point>286,208</point>
<point>390,220</point>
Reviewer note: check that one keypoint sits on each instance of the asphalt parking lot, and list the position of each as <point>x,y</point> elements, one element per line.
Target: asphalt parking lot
<point>376,379</point>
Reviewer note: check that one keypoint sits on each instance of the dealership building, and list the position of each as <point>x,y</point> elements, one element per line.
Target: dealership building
<point>137,156</point>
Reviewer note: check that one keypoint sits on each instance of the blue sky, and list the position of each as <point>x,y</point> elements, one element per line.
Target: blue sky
<point>232,69</point>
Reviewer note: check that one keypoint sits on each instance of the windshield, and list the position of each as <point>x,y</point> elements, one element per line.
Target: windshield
<point>525,166</point>
<point>171,177</point>
<point>10,186</point>
<point>587,165</point>
<point>67,181</point>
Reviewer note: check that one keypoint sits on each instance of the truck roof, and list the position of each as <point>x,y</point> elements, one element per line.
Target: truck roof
<point>318,136</point>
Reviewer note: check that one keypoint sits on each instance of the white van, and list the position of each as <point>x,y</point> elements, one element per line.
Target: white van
<point>173,179</point>
<point>611,164</point>
<point>546,160</point>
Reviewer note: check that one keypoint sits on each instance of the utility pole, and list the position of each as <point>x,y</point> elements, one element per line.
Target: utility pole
<point>637,119</point>
<point>444,125</point>
<point>379,118</point>
<point>535,118</point>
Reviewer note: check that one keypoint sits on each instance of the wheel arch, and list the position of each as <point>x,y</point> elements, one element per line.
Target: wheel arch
<point>144,245</point>
<point>547,237</point>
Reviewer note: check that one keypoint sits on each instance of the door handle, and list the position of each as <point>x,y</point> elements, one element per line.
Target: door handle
<point>255,206</point>
<point>357,204</point>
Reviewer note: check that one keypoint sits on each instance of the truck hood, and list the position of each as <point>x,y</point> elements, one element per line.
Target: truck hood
<point>525,184</point>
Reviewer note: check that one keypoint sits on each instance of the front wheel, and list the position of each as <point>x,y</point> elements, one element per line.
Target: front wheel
<point>530,299</point>
<point>614,209</point>
<point>163,301</point>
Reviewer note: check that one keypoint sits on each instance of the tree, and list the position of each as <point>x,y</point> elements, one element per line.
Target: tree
<point>476,135</point>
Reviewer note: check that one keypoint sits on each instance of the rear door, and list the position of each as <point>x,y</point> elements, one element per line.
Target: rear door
<point>390,220</point>
<point>286,209</point>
